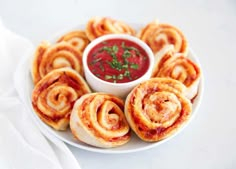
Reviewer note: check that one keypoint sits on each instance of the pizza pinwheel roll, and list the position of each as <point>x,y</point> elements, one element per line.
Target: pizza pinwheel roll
<point>157,108</point>
<point>99,26</point>
<point>49,57</point>
<point>76,38</point>
<point>158,35</point>
<point>98,119</point>
<point>54,95</point>
<point>181,68</point>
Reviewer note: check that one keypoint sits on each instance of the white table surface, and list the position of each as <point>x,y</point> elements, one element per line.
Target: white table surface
<point>209,142</point>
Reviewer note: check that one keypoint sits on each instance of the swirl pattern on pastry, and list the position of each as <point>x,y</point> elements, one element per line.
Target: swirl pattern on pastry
<point>54,95</point>
<point>158,35</point>
<point>98,119</point>
<point>157,108</point>
<point>76,38</point>
<point>181,68</point>
<point>48,58</point>
<point>99,26</point>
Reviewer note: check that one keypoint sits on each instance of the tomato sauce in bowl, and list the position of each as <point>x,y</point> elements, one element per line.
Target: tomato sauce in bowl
<point>118,61</point>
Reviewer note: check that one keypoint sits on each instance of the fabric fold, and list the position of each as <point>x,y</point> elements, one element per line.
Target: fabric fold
<point>22,144</point>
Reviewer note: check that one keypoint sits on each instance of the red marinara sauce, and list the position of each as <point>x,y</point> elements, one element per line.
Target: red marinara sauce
<point>118,61</point>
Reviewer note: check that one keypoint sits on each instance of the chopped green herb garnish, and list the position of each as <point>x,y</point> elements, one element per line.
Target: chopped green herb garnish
<point>110,49</point>
<point>115,48</point>
<point>115,64</point>
<point>134,66</point>
<point>129,48</point>
<point>113,55</point>
<point>113,76</point>
<point>127,73</point>
<point>106,48</point>
<point>101,67</point>
<point>107,77</point>
<point>123,45</point>
<point>110,63</point>
<point>126,54</point>
<point>120,76</point>
<point>96,60</point>
<point>125,66</point>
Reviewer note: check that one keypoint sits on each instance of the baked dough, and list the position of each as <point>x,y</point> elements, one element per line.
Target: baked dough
<point>157,108</point>
<point>98,119</point>
<point>181,68</point>
<point>158,35</point>
<point>76,38</point>
<point>54,95</point>
<point>49,57</point>
<point>99,26</point>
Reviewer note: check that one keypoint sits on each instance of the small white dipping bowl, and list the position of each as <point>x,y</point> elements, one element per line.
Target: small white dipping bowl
<point>117,89</point>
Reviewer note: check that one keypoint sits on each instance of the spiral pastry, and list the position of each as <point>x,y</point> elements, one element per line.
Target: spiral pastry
<point>98,119</point>
<point>180,68</point>
<point>158,35</point>
<point>77,39</point>
<point>54,95</point>
<point>157,108</point>
<point>99,26</point>
<point>48,58</point>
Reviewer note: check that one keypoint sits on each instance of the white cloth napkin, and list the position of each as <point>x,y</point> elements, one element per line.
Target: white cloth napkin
<point>22,145</point>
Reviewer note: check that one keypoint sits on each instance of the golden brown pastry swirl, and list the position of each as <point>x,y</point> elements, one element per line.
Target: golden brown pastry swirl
<point>49,57</point>
<point>53,96</point>
<point>76,38</point>
<point>157,108</point>
<point>181,68</point>
<point>98,119</point>
<point>158,35</point>
<point>99,26</point>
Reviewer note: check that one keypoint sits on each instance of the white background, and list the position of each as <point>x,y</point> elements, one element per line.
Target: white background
<point>209,142</point>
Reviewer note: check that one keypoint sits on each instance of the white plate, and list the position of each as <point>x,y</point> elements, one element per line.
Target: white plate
<point>24,86</point>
